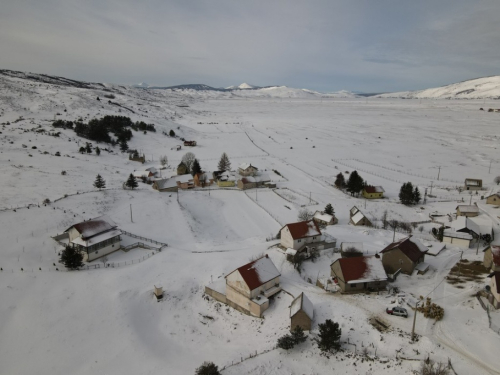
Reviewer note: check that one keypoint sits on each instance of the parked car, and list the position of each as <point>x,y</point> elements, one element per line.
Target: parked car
<point>399,311</point>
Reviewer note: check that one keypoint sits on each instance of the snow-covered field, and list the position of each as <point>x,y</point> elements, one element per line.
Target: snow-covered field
<point>107,321</point>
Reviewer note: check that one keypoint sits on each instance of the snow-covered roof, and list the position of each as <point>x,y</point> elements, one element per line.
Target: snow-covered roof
<point>97,239</point>
<point>258,272</point>
<point>184,178</point>
<point>166,183</point>
<point>290,251</point>
<point>435,247</point>
<point>151,169</point>
<point>302,303</point>
<point>140,174</point>
<point>453,234</point>
<point>303,229</point>
<point>93,227</point>
<point>218,285</point>
<point>346,245</point>
<point>323,217</point>
<point>357,217</point>
<point>460,223</point>
<point>480,224</point>
<point>264,177</point>
<point>226,176</point>
<point>422,267</point>
<point>362,269</point>
<point>245,166</point>
<point>409,246</point>
<point>468,208</point>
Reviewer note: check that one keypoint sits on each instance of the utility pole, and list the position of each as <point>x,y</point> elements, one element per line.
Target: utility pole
<point>460,262</point>
<point>478,238</point>
<point>432,182</point>
<point>470,202</point>
<point>489,170</point>
<point>310,197</point>
<point>439,172</point>
<point>131,214</point>
<point>256,188</point>
<point>425,196</point>
<point>414,320</point>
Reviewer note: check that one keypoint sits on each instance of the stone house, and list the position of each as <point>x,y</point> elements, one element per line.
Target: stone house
<point>491,258</point>
<point>493,199</point>
<point>373,192</point>
<point>297,235</point>
<point>404,254</point>
<point>358,218</point>
<point>246,169</point>
<point>494,295</point>
<point>249,287</point>
<point>359,274</point>
<point>166,185</point>
<point>95,238</point>
<point>473,184</point>
<point>301,313</point>
<point>467,210</point>
<point>324,219</point>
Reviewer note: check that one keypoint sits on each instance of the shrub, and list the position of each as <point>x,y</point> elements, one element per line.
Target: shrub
<point>71,258</point>
<point>207,368</point>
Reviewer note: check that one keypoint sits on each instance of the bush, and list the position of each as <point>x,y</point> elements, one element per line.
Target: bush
<point>431,368</point>
<point>207,368</point>
<point>171,133</point>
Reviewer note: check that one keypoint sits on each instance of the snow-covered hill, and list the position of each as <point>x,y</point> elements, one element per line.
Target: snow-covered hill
<point>479,88</point>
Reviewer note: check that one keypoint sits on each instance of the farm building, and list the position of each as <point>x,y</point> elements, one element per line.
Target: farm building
<point>224,178</point>
<point>491,259</point>
<point>95,238</point>
<point>358,218</point>
<point>167,184</point>
<point>324,219</point>
<point>301,313</point>
<point>246,169</point>
<point>202,179</point>
<point>185,181</point>
<point>467,210</point>
<point>493,199</point>
<point>297,235</point>
<point>373,192</point>
<point>404,254</point>
<point>473,184</point>
<point>249,287</point>
<point>143,175</point>
<point>358,274</point>
<point>251,182</point>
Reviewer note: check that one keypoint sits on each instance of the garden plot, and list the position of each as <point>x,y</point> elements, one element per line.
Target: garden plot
<point>294,197</point>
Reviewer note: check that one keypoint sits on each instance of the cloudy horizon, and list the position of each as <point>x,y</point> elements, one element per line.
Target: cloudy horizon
<point>323,45</point>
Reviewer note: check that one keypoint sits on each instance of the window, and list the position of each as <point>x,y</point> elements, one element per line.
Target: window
<point>299,241</point>
<point>353,285</point>
<point>314,238</point>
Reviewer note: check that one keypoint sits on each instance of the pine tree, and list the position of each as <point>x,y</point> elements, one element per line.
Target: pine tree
<point>207,368</point>
<point>286,342</point>
<point>172,133</point>
<point>329,336</point>
<point>195,168</point>
<point>99,182</point>
<point>71,258</point>
<point>224,163</point>
<point>298,335</point>
<point>416,196</point>
<point>82,150</point>
<point>355,183</point>
<point>123,145</point>
<point>340,181</point>
<point>406,194</point>
<point>88,148</point>
<point>329,209</point>
<point>131,182</point>
<point>98,151</point>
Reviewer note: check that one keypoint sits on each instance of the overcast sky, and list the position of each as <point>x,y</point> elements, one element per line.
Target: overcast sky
<point>324,45</point>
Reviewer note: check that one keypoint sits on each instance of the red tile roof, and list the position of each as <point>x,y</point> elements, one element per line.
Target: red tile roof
<point>258,272</point>
<point>303,229</point>
<point>407,247</point>
<point>362,268</point>
<point>94,227</point>
<point>374,189</point>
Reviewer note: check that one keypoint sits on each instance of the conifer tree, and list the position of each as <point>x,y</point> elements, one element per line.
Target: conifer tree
<point>71,258</point>
<point>123,145</point>
<point>340,181</point>
<point>286,342</point>
<point>224,163</point>
<point>298,335</point>
<point>406,194</point>
<point>195,168</point>
<point>329,209</point>
<point>172,133</point>
<point>207,368</point>
<point>329,336</point>
<point>355,183</point>
<point>98,151</point>
<point>131,182</point>
<point>82,150</point>
<point>416,195</point>
<point>99,182</point>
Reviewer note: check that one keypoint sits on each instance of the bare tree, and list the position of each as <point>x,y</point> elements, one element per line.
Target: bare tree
<point>384,220</point>
<point>305,215</point>
<point>163,160</point>
<point>429,367</point>
<point>188,160</point>
<point>393,224</point>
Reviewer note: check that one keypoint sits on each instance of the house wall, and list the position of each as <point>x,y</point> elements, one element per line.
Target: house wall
<point>225,183</point>
<point>242,303</point>
<point>248,185</point>
<point>301,320</point>
<point>73,233</point>
<point>93,255</point>
<point>286,238</point>
<point>494,293</point>
<point>247,172</point>
<point>372,195</point>
<point>171,189</point>
<point>254,293</point>
<point>488,261</point>
<point>216,295</point>
<point>336,271</point>
<point>459,242</point>
<point>494,199</point>
<point>466,214</point>
<point>363,222</point>
<point>396,259</point>
<point>236,282</point>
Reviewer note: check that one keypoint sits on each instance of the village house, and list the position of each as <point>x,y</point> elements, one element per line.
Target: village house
<point>467,210</point>
<point>224,178</point>
<point>359,274</point>
<point>166,185</point>
<point>143,175</point>
<point>473,184</point>
<point>249,287</point>
<point>185,181</point>
<point>459,239</point>
<point>190,143</point>
<point>373,192</point>
<point>182,169</point>
<point>252,182</point>
<point>324,219</point>
<point>491,259</point>
<point>405,254</point>
<point>358,218</point>
<point>301,313</point>
<point>493,199</point>
<point>494,295</point>
<point>202,179</point>
<point>95,238</point>
<point>246,169</point>
<point>297,235</point>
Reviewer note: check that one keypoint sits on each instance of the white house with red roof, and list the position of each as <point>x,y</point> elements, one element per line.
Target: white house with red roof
<point>358,274</point>
<point>95,238</point>
<point>405,255</point>
<point>298,235</point>
<point>249,287</point>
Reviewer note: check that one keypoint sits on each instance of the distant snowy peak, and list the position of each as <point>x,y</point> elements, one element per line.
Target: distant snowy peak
<point>142,85</point>
<point>479,88</point>
<point>243,86</point>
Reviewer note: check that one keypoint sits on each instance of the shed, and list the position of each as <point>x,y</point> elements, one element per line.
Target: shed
<point>473,184</point>
<point>493,199</point>
<point>301,313</point>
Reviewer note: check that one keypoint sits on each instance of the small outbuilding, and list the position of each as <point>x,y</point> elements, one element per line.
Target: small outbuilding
<point>467,210</point>
<point>301,313</point>
<point>324,219</point>
<point>493,199</point>
<point>404,254</point>
<point>373,192</point>
<point>359,274</point>
<point>473,184</point>
<point>246,169</point>
<point>357,218</point>
<point>459,239</point>
<point>166,185</point>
